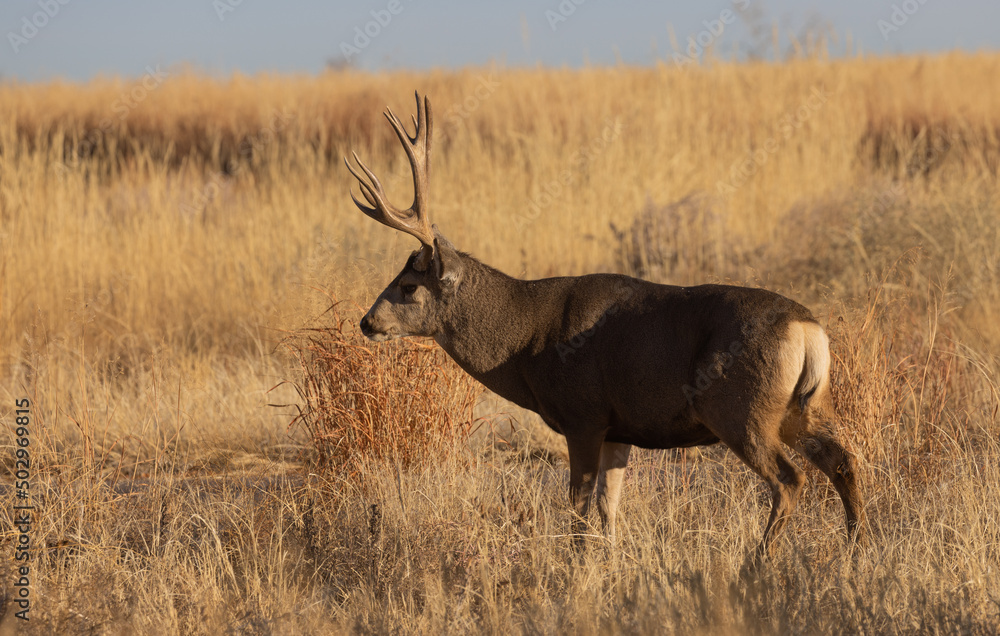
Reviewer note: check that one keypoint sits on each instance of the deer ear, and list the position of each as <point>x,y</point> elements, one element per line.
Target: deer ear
<point>439,239</point>
<point>447,265</point>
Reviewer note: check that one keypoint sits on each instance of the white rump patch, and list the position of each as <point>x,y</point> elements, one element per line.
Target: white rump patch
<point>804,355</point>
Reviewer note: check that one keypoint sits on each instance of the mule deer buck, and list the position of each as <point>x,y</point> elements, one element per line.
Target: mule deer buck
<point>613,362</point>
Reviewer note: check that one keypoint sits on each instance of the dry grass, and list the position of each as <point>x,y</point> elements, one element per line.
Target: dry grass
<point>151,267</point>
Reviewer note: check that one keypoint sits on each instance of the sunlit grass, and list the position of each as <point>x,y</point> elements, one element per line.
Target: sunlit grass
<point>151,267</point>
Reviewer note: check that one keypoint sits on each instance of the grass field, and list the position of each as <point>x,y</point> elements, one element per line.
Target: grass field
<point>170,248</point>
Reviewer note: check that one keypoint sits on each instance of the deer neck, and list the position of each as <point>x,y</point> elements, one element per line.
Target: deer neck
<point>488,323</point>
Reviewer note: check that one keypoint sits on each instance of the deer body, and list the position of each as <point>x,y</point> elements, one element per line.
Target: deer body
<point>612,361</point>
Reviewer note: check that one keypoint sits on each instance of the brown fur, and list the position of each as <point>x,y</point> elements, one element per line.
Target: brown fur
<point>612,362</point>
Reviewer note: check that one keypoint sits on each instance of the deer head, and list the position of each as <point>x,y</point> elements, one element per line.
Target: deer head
<point>412,303</point>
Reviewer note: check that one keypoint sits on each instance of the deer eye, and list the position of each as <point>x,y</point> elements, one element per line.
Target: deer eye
<point>408,290</point>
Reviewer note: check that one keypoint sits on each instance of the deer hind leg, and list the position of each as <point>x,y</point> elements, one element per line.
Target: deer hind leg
<point>826,452</point>
<point>785,480</point>
<point>584,465</point>
<point>611,475</point>
<point>754,434</point>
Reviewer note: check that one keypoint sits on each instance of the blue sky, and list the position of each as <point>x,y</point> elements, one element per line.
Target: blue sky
<point>79,39</point>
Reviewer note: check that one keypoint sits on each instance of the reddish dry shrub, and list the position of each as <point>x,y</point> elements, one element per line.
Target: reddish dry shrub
<point>404,401</point>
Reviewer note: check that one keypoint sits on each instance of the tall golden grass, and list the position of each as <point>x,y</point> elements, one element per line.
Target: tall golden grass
<point>156,254</point>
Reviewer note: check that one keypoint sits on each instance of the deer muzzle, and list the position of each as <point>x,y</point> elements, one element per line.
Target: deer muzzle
<point>370,331</point>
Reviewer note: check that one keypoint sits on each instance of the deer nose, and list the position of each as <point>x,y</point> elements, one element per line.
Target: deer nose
<point>366,326</point>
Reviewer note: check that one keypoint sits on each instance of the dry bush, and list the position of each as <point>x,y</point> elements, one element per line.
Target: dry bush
<point>682,243</point>
<point>404,403</point>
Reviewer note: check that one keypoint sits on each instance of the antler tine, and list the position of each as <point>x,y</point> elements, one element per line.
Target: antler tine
<point>414,220</point>
<point>417,150</point>
<point>371,175</point>
<point>372,192</point>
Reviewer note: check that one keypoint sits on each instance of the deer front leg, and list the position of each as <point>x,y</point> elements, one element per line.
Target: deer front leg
<point>584,464</point>
<point>614,458</point>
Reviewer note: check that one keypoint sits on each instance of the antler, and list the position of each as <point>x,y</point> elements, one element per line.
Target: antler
<point>414,220</point>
